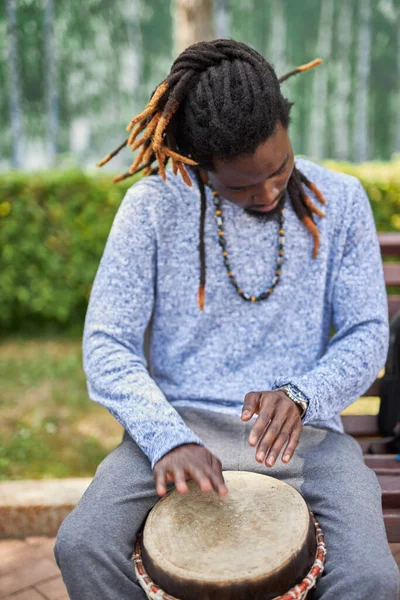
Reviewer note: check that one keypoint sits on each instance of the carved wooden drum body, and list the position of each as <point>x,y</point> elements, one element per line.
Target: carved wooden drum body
<point>258,543</point>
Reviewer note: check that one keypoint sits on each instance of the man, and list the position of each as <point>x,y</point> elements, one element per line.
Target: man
<point>246,369</point>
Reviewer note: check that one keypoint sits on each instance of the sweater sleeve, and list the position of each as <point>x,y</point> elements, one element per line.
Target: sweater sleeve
<point>358,350</point>
<point>120,308</point>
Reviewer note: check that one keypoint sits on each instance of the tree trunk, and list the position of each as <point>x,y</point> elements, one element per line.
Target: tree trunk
<point>14,94</point>
<point>222,19</point>
<point>341,105</point>
<point>397,138</point>
<point>360,127</point>
<point>131,70</point>
<point>192,23</point>
<point>51,82</point>
<point>277,37</point>
<point>319,100</point>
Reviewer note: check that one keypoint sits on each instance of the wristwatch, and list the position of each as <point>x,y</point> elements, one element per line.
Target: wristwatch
<point>294,394</point>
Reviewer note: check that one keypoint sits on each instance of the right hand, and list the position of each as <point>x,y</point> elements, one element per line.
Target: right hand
<point>189,461</point>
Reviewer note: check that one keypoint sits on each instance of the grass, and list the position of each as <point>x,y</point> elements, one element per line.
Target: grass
<point>49,426</point>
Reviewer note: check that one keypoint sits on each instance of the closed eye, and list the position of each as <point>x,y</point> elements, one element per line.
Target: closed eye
<point>240,189</point>
<point>277,172</point>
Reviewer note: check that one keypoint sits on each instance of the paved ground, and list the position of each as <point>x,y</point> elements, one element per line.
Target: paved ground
<point>28,570</point>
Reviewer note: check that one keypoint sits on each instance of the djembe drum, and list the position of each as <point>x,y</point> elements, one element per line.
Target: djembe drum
<point>258,543</point>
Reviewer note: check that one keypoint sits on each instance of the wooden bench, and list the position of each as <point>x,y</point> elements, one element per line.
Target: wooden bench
<point>365,427</point>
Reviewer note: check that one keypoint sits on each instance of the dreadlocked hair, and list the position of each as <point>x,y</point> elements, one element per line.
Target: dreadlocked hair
<point>221,99</point>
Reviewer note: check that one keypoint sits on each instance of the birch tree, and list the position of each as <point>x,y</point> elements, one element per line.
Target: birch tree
<point>397,138</point>
<point>222,19</point>
<point>192,23</point>
<point>132,55</point>
<point>51,82</point>
<point>319,98</point>
<point>14,89</point>
<point>341,105</point>
<point>276,50</point>
<point>363,66</point>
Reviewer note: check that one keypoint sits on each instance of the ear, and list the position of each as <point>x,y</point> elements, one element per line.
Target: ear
<point>204,176</point>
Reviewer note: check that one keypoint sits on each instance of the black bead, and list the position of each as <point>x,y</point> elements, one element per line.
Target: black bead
<point>264,295</point>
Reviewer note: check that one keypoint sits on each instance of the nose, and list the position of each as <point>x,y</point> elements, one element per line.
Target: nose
<point>267,194</point>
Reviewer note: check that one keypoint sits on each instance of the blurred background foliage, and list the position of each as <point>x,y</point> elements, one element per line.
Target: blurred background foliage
<point>53,230</point>
<point>75,72</point>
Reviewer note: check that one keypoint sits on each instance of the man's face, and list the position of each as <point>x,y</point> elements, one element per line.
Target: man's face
<point>256,182</point>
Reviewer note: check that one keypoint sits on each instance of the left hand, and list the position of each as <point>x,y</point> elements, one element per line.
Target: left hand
<point>282,416</point>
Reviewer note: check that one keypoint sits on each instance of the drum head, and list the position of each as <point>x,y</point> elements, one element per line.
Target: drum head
<point>260,534</point>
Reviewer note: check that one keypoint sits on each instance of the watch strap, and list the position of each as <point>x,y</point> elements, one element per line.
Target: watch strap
<point>296,396</point>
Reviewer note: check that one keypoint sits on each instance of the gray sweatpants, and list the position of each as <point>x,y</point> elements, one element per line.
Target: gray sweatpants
<point>95,541</point>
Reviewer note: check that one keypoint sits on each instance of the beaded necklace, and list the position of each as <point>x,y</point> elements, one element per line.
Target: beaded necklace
<point>222,241</point>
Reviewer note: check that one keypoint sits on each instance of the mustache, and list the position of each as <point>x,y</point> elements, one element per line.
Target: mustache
<point>270,215</point>
<point>279,198</point>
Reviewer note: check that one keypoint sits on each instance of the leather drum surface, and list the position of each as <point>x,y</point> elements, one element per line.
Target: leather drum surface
<point>256,543</point>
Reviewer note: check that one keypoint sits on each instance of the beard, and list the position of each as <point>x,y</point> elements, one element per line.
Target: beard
<point>271,215</point>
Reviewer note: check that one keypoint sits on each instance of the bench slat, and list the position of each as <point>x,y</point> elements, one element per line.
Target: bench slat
<point>377,461</point>
<point>390,485</point>
<point>379,447</point>
<point>361,425</point>
<point>392,523</point>
<point>389,243</point>
<point>392,273</point>
<point>383,464</point>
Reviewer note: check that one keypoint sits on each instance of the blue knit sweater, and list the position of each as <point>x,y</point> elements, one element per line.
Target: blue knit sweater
<point>149,276</point>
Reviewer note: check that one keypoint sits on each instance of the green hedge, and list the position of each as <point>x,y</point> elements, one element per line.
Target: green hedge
<point>382,184</point>
<point>53,227</point>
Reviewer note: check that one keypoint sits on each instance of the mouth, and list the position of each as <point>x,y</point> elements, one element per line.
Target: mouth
<point>266,207</point>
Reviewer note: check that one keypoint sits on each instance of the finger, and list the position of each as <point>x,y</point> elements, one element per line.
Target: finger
<point>202,480</point>
<point>251,405</point>
<point>271,435</point>
<point>292,443</point>
<point>180,481</point>
<point>160,480</point>
<point>258,429</point>
<point>275,449</point>
<point>218,482</point>
<point>267,412</point>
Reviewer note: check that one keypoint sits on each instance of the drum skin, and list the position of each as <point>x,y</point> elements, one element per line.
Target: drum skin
<point>255,544</point>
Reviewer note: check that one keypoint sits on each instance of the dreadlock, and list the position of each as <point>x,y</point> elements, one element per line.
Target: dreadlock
<point>221,99</point>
